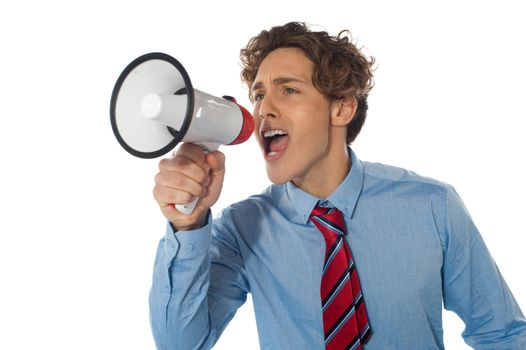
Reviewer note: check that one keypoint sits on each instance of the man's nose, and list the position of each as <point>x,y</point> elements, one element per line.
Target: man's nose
<point>268,107</point>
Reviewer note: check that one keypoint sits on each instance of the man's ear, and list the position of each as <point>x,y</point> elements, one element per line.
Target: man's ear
<point>343,110</point>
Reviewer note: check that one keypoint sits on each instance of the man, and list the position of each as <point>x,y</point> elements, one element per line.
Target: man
<point>337,253</point>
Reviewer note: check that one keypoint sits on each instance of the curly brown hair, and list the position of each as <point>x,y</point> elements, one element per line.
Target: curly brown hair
<point>340,69</point>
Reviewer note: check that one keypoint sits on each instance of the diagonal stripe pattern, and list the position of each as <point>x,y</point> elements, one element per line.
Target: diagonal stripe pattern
<point>345,320</point>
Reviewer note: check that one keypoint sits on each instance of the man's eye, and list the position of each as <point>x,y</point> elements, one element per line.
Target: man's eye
<point>258,97</point>
<point>290,91</point>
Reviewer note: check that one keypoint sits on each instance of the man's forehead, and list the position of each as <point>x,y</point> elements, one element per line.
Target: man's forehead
<point>284,65</point>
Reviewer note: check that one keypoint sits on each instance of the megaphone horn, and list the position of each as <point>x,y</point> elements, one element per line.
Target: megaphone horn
<point>154,107</point>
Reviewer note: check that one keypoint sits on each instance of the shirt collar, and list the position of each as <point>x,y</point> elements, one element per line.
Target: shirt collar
<point>300,203</point>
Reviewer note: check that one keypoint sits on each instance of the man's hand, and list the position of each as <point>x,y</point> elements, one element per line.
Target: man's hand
<point>189,173</point>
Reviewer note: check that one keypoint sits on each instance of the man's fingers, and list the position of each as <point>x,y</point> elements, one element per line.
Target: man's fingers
<point>190,173</point>
<point>180,182</point>
<point>186,167</point>
<point>193,152</point>
<point>166,196</point>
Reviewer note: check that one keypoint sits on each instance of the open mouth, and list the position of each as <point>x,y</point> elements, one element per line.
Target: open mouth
<point>275,141</point>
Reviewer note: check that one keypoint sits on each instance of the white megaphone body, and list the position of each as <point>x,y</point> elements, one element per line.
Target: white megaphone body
<point>154,107</point>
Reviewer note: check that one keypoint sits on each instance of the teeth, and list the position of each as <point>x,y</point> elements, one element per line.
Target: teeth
<point>272,133</point>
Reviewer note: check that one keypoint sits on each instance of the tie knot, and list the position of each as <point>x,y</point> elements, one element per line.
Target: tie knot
<point>328,220</point>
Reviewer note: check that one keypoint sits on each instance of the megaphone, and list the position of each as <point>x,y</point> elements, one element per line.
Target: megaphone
<point>154,107</point>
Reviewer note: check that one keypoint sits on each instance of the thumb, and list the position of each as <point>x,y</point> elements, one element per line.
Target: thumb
<point>215,161</point>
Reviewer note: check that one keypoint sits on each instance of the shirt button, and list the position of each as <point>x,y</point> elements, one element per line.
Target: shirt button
<point>188,248</point>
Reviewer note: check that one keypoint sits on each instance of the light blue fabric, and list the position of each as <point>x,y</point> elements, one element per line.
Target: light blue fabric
<point>414,245</point>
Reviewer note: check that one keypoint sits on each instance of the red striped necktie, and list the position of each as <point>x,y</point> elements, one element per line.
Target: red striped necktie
<point>345,322</point>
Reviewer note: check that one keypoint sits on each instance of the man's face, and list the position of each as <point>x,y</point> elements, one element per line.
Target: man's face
<point>292,117</point>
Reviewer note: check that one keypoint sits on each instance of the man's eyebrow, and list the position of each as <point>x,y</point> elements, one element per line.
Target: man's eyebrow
<point>278,81</point>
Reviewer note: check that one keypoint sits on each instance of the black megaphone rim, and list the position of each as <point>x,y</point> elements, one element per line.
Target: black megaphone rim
<point>178,135</point>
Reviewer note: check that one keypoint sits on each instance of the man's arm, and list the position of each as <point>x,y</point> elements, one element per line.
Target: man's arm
<point>198,280</point>
<point>473,286</point>
<point>198,284</point>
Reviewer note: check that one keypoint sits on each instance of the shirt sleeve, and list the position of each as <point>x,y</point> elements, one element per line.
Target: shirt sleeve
<point>198,285</point>
<point>473,286</point>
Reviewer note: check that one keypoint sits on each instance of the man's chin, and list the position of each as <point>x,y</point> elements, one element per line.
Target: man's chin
<point>277,179</point>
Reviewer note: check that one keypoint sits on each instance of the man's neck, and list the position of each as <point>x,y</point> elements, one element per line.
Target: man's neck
<point>327,176</point>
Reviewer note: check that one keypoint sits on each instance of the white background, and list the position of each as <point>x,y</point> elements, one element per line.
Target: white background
<point>78,224</point>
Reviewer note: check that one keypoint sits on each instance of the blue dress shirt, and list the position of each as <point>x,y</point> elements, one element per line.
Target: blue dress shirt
<point>415,248</point>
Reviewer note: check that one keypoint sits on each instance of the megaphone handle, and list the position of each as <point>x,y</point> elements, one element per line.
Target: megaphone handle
<point>188,208</point>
